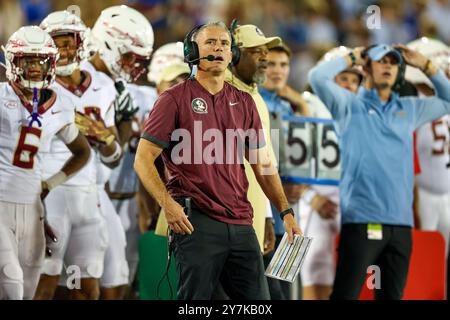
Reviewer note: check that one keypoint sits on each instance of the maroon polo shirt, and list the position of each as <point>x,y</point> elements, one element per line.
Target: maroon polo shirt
<point>202,136</point>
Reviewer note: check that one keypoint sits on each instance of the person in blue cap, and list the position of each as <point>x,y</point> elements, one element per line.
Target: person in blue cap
<point>375,129</point>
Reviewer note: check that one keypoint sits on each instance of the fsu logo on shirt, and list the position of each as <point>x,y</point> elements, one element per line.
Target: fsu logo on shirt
<point>199,105</point>
<point>11,104</point>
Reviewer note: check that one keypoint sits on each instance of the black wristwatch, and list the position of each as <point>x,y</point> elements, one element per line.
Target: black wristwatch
<point>285,212</point>
<point>352,56</point>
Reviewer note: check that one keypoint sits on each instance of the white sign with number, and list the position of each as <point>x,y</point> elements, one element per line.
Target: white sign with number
<point>328,155</point>
<point>298,149</point>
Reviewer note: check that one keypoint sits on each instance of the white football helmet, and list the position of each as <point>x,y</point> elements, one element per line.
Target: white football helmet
<point>341,51</point>
<point>120,30</point>
<point>165,56</point>
<point>436,51</point>
<point>63,23</point>
<point>27,43</point>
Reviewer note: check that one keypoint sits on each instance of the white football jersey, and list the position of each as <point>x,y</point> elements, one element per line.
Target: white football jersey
<point>107,115</point>
<point>123,178</point>
<point>433,147</point>
<point>94,98</point>
<point>20,167</point>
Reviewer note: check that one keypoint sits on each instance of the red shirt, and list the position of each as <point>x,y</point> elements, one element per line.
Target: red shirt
<point>201,163</point>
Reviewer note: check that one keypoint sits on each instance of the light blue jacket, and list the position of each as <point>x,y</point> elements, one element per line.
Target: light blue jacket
<point>376,142</point>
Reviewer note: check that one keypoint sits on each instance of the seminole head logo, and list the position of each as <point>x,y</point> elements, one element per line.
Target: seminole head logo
<point>199,105</point>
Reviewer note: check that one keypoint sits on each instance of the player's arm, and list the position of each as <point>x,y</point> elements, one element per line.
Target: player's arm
<point>124,132</point>
<point>145,167</point>
<point>337,99</point>
<point>124,110</point>
<point>267,176</point>
<point>81,151</point>
<point>296,99</point>
<point>110,154</point>
<point>104,139</point>
<point>432,108</point>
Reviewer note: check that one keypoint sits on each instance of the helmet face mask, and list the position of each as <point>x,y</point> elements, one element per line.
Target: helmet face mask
<point>33,68</point>
<point>69,46</point>
<point>134,65</point>
<point>69,33</point>
<point>31,56</point>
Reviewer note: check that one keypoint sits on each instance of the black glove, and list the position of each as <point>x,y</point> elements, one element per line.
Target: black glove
<point>123,104</point>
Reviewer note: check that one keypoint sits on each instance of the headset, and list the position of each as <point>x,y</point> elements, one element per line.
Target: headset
<point>191,52</point>
<point>235,51</point>
<point>400,80</point>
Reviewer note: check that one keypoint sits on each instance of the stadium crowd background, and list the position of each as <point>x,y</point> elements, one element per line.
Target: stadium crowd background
<point>309,27</point>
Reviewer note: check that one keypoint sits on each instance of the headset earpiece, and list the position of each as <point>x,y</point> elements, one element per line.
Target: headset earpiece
<point>235,51</point>
<point>400,80</point>
<point>190,48</point>
<point>191,52</point>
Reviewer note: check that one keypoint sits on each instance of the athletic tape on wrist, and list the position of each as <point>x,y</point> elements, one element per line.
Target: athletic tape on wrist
<point>56,180</point>
<point>111,158</point>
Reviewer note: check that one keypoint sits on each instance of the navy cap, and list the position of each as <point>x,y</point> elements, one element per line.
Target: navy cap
<point>379,51</point>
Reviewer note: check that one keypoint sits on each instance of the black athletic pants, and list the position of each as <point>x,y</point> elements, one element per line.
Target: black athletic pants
<point>218,251</point>
<point>356,253</point>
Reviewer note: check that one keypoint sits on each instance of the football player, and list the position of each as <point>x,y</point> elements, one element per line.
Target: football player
<point>122,43</point>
<point>31,114</point>
<point>73,208</point>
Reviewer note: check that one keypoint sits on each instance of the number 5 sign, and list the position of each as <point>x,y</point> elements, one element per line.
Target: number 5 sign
<point>328,155</point>
<point>309,150</point>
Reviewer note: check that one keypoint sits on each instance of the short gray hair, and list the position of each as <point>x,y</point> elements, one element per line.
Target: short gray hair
<point>220,24</point>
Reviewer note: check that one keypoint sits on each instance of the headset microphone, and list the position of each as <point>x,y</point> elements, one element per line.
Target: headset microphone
<point>209,57</point>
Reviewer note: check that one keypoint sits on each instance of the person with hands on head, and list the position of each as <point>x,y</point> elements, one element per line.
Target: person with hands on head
<point>375,129</point>
<point>319,206</point>
<point>216,242</point>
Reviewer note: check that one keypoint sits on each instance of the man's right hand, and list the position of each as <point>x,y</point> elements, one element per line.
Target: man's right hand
<point>177,219</point>
<point>326,208</point>
<point>45,190</point>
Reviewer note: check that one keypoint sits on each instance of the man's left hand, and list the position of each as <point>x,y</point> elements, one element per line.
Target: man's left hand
<point>412,57</point>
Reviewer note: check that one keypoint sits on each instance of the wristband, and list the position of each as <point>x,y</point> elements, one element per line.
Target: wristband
<point>56,180</point>
<point>427,66</point>
<point>285,212</point>
<point>352,56</point>
<point>116,155</point>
